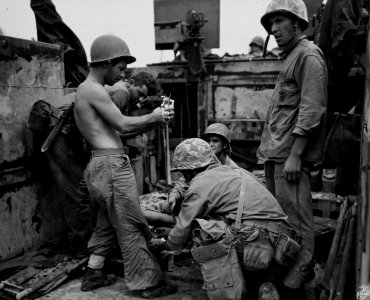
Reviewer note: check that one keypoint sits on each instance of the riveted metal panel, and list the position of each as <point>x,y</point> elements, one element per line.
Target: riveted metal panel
<point>231,89</point>
<point>241,102</point>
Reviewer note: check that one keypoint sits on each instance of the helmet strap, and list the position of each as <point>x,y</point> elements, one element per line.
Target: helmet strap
<point>221,156</point>
<point>295,27</point>
<point>265,45</point>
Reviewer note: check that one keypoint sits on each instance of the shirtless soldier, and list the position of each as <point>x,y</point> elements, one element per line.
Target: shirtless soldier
<point>109,176</point>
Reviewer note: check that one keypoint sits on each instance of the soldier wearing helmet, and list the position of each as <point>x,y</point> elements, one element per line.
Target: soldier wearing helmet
<point>209,212</point>
<point>109,176</point>
<point>294,132</point>
<point>219,138</point>
<point>256,46</point>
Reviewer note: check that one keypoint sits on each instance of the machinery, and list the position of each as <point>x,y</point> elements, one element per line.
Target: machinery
<point>188,27</point>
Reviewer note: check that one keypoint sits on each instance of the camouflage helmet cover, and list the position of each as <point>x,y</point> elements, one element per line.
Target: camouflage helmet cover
<point>297,8</point>
<point>192,154</point>
<point>220,130</point>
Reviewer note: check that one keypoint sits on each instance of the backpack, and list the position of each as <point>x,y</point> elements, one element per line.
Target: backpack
<point>43,117</point>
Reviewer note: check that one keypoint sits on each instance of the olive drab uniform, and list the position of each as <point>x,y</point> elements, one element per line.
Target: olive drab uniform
<point>229,214</point>
<point>297,108</point>
<point>178,191</point>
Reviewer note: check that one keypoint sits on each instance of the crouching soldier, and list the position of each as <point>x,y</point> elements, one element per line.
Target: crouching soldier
<point>240,234</point>
<point>218,137</point>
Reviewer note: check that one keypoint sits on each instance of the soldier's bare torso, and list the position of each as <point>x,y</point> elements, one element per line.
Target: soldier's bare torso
<point>92,106</point>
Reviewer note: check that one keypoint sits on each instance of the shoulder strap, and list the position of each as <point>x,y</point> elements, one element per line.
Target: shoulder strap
<point>238,221</point>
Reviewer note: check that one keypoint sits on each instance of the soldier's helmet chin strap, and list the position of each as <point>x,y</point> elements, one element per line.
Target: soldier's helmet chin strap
<point>265,45</point>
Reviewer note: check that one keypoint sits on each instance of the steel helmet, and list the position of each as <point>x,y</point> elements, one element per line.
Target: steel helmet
<point>107,47</point>
<point>192,154</point>
<point>220,130</point>
<point>257,40</point>
<point>297,8</point>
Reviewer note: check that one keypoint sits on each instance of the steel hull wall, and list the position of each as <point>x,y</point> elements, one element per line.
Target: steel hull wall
<point>30,211</point>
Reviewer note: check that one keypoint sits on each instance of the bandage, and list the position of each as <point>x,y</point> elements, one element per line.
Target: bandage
<point>96,262</point>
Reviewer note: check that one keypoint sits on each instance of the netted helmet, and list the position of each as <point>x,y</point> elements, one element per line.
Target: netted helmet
<point>257,40</point>
<point>107,47</point>
<point>192,154</point>
<point>220,130</point>
<point>296,8</point>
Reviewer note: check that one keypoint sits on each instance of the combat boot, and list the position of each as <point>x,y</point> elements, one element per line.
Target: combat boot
<point>163,288</point>
<point>301,272</point>
<point>268,291</point>
<point>94,279</point>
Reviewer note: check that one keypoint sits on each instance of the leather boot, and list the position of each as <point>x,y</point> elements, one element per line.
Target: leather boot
<point>163,288</point>
<point>268,291</point>
<point>301,272</point>
<point>94,279</point>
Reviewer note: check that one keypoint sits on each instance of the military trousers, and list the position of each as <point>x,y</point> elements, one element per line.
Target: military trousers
<point>111,183</point>
<point>295,199</point>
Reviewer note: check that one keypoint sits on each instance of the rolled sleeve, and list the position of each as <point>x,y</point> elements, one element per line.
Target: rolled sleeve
<point>194,206</point>
<point>179,189</point>
<point>312,108</point>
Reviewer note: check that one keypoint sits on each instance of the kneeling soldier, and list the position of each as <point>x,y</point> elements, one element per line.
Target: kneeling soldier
<point>241,236</point>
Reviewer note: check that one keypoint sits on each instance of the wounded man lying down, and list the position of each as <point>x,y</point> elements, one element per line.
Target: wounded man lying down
<point>156,209</point>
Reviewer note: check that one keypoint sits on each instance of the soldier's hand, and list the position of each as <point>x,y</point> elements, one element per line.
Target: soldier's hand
<point>157,113</point>
<point>157,244</point>
<point>163,232</point>
<point>172,202</point>
<point>167,207</point>
<point>163,114</point>
<point>154,244</point>
<point>292,168</point>
<point>173,205</point>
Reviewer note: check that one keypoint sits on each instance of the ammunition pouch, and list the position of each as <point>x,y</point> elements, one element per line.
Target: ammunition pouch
<point>286,249</point>
<point>283,239</point>
<point>301,271</point>
<point>222,275</point>
<point>258,250</point>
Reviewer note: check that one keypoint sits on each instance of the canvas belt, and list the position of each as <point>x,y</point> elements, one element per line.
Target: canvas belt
<point>276,227</point>
<point>271,226</point>
<point>108,152</point>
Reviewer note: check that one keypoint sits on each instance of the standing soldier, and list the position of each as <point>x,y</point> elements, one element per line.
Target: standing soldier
<point>67,158</point>
<point>294,132</point>
<point>109,176</point>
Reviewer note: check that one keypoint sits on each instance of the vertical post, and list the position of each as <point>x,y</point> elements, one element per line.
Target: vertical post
<point>167,154</point>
